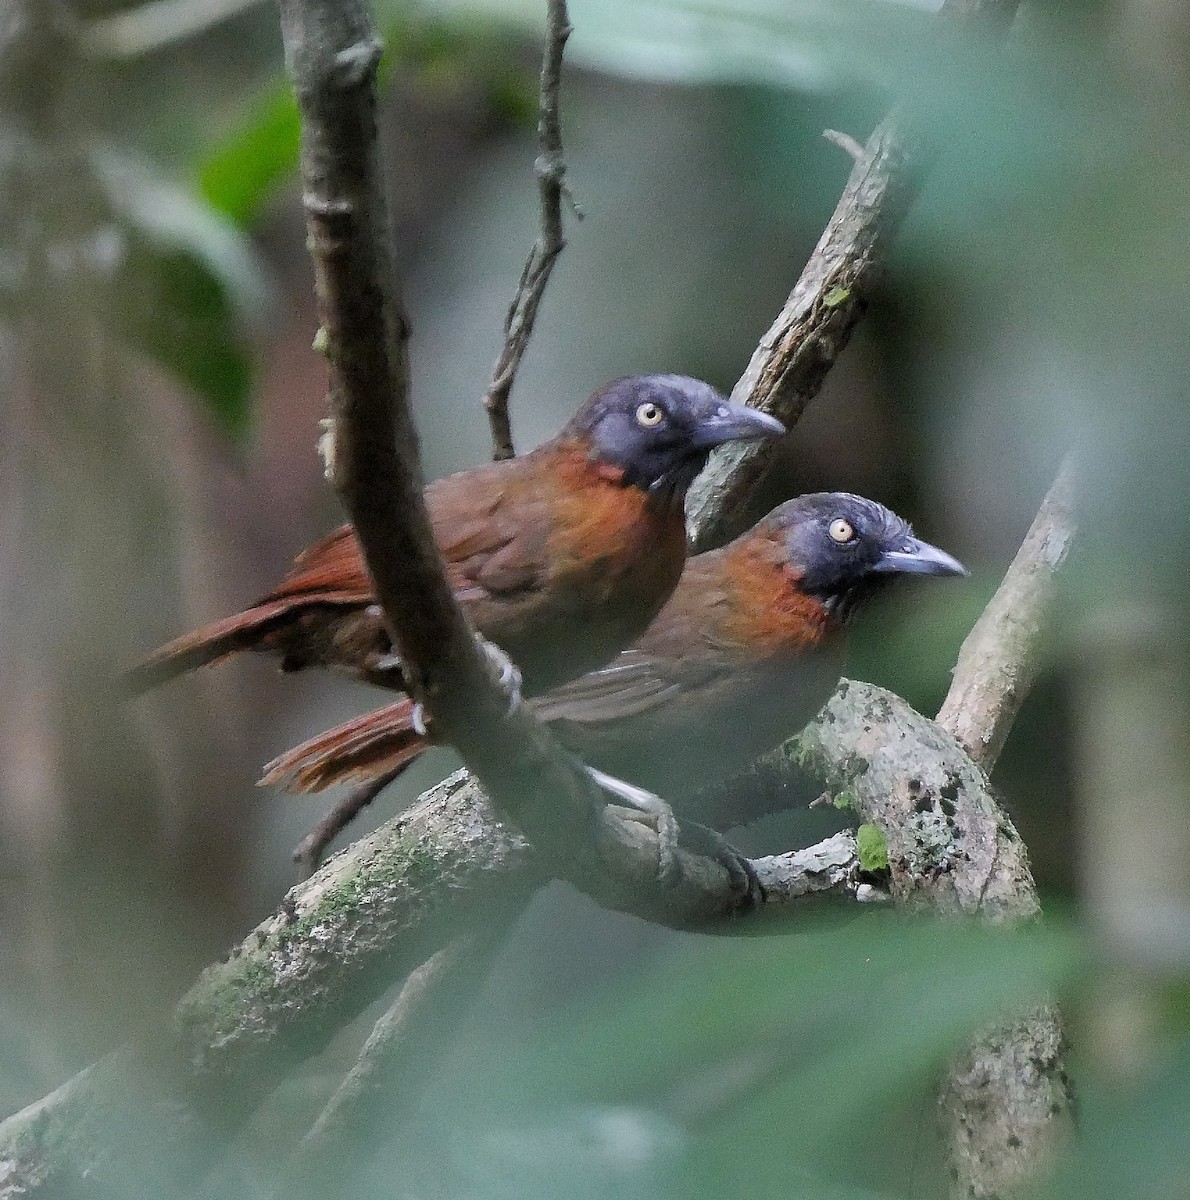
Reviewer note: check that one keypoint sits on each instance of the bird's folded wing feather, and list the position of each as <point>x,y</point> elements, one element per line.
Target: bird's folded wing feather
<point>488,545</point>
<point>635,682</point>
<point>493,542</point>
<point>332,569</point>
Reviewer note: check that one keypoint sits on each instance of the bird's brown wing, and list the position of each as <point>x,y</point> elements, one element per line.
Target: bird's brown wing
<point>332,569</point>
<point>632,684</point>
<point>482,531</point>
<point>682,651</point>
<point>492,529</point>
<point>331,572</point>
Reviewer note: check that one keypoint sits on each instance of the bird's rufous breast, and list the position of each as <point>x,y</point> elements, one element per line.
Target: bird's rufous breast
<point>767,610</point>
<point>628,545</point>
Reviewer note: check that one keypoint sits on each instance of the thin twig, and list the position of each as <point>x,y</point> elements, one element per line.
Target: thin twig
<point>309,851</point>
<point>1001,655</point>
<point>845,142</point>
<point>550,169</point>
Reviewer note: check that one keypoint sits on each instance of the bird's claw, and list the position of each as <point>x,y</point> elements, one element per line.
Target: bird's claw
<point>503,670</point>
<point>658,813</point>
<point>742,874</point>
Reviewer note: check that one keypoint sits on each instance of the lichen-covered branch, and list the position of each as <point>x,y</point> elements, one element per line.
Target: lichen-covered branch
<point>149,1118</point>
<point>370,916</point>
<point>550,168</point>
<point>1001,655</point>
<point>950,847</point>
<point>1007,1102</point>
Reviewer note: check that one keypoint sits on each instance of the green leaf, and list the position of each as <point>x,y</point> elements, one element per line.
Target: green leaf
<point>1132,1146</point>
<point>742,1065</point>
<point>166,215</point>
<point>239,175</point>
<point>179,315</point>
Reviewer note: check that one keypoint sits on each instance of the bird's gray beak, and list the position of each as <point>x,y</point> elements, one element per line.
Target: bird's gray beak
<point>730,422</point>
<point>915,557</point>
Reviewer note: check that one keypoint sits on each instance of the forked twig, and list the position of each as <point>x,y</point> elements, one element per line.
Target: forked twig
<point>550,169</point>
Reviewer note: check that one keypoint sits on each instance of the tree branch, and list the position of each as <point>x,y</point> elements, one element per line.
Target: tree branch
<point>396,897</point>
<point>309,851</point>
<point>1000,656</point>
<point>550,169</point>
<point>1007,1101</point>
<point>371,915</point>
<point>789,365</point>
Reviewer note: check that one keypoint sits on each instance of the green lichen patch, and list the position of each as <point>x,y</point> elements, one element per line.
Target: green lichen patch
<point>873,851</point>
<point>846,799</point>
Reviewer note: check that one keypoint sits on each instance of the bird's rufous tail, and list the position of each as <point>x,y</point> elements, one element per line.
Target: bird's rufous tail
<point>244,631</point>
<point>382,742</point>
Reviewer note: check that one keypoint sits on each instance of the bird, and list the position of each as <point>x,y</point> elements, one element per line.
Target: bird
<point>561,557</point>
<point>745,652</point>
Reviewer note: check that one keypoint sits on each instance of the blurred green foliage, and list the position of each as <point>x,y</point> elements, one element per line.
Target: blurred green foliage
<point>793,1064</point>
<point>238,175</point>
<point>243,169</point>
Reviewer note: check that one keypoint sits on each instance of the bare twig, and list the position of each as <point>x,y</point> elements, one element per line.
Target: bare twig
<point>1000,656</point>
<point>550,169</point>
<point>789,365</point>
<point>309,851</point>
<point>845,142</point>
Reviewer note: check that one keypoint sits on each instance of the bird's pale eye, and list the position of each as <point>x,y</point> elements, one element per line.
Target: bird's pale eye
<point>650,415</point>
<point>841,530</point>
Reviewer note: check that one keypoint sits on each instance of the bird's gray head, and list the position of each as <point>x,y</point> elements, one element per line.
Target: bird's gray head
<point>659,429</point>
<point>845,547</point>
